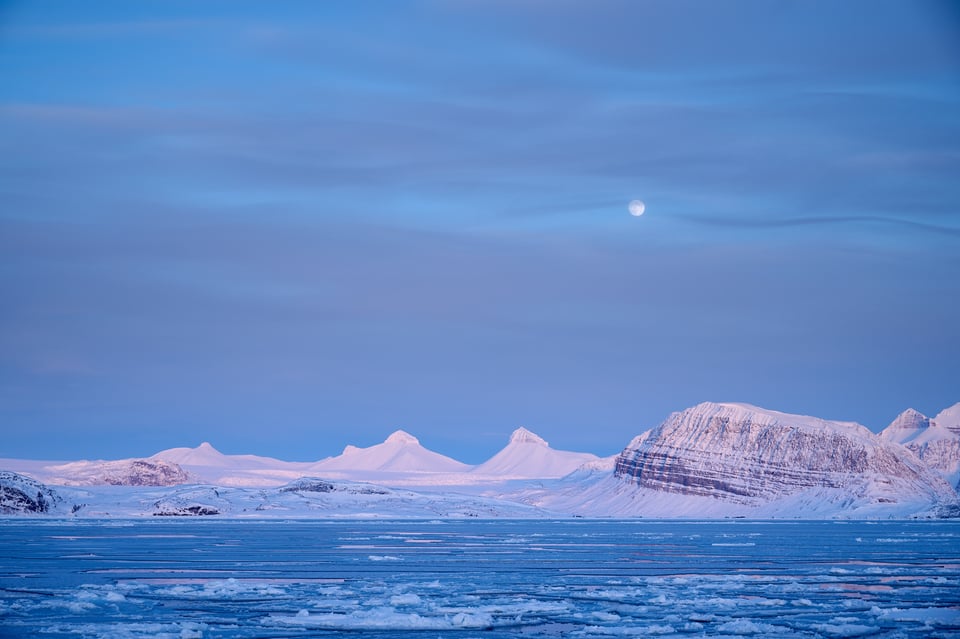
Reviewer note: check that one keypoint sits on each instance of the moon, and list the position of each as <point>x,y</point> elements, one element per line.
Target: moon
<point>636,208</point>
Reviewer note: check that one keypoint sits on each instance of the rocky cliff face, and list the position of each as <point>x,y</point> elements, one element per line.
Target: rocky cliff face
<point>22,495</point>
<point>747,455</point>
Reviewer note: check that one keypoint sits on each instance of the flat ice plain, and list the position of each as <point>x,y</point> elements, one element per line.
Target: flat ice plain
<point>482,578</point>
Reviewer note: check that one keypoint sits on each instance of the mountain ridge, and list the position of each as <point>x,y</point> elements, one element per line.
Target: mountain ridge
<point>712,459</point>
<point>400,452</point>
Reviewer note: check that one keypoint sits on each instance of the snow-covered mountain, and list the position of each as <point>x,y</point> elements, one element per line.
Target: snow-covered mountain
<point>208,464</point>
<point>741,460</point>
<point>203,455</point>
<point>120,472</point>
<point>529,456</point>
<point>935,441</point>
<point>401,452</point>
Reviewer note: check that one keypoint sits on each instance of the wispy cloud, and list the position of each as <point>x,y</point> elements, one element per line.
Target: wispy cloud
<point>795,222</point>
<point>262,213</point>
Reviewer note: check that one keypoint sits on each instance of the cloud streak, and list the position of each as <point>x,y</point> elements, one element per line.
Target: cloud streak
<point>796,222</point>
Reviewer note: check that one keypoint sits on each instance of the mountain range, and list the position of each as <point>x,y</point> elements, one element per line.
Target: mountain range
<point>399,460</point>
<point>710,460</point>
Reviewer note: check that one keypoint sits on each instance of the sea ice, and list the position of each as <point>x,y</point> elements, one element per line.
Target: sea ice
<point>582,579</point>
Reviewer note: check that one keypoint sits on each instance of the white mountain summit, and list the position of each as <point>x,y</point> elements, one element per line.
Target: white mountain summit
<point>203,455</point>
<point>524,436</point>
<point>401,452</point>
<point>529,456</point>
<point>949,418</point>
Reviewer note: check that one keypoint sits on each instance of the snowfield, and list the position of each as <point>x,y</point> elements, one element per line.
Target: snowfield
<point>304,498</point>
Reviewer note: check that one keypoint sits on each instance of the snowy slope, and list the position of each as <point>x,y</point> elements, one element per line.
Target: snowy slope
<point>208,464</point>
<point>609,496</point>
<point>400,453</point>
<point>949,418</point>
<point>936,444</point>
<point>528,456</point>
<point>203,455</point>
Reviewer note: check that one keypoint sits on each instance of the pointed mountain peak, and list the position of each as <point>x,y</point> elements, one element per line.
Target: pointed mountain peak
<point>909,426</point>
<point>524,436</point>
<point>402,437</point>
<point>949,418</point>
<point>203,455</point>
<point>911,418</point>
<point>207,447</point>
<point>906,426</point>
<point>528,456</point>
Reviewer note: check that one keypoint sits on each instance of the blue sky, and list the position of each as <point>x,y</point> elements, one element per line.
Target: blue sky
<point>288,227</point>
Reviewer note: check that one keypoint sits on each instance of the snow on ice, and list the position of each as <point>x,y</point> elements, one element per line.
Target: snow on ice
<point>507,578</point>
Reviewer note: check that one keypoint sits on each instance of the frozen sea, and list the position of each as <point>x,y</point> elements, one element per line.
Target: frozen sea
<point>479,578</point>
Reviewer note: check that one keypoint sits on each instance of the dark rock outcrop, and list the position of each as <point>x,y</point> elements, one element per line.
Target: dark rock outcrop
<point>187,511</point>
<point>308,485</point>
<point>22,495</point>
<point>192,501</point>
